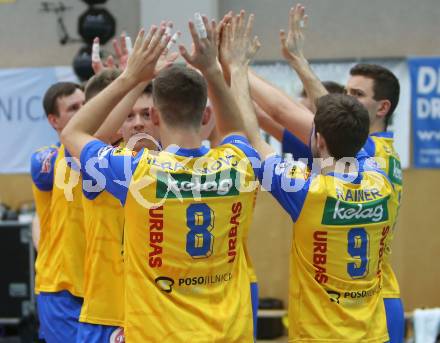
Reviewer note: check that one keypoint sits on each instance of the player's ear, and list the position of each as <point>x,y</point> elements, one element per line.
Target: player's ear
<point>321,144</point>
<point>207,114</point>
<point>53,120</point>
<point>383,108</point>
<point>154,116</point>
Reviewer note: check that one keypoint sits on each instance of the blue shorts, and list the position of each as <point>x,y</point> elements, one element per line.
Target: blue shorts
<point>40,329</point>
<point>92,333</point>
<point>395,319</point>
<point>59,313</point>
<point>254,299</point>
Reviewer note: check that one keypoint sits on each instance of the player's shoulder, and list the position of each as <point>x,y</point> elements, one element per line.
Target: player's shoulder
<point>98,150</point>
<point>43,165</point>
<point>293,169</point>
<point>373,174</point>
<point>384,143</point>
<point>44,152</point>
<point>240,145</point>
<point>123,151</point>
<point>284,174</point>
<point>42,159</point>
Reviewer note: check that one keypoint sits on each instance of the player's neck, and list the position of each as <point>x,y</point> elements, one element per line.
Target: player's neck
<point>377,126</point>
<point>329,164</point>
<point>187,139</point>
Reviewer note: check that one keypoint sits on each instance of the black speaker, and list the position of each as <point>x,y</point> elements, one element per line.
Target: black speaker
<point>82,63</point>
<point>270,326</point>
<point>96,22</point>
<point>16,272</point>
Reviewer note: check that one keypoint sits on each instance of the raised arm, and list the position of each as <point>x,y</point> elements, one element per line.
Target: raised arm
<point>204,58</point>
<point>238,48</point>
<point>292,50</point>
<point>140,68</point>
<point>114,120</point>
<point>112,124</point>
<point>268,124</point>
<point>36,231</point>
<point>287,112</point>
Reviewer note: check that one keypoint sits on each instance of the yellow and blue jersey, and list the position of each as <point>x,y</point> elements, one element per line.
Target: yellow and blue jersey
<point>187,213</point>
<point>42,170</point>
<point>341,228</point>
<point>103,269</point>
<point>379,145</point>
<point>65,267</point>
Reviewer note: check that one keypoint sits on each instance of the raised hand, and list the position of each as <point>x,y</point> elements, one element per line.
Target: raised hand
<point>121,53</point>
<point>205,51</point>
<point>221,25</point>
<point>97,64</point>
<point>292,44</point>
<point>219,35</point>
<point>166,59</point>
<point>237,48</point>
<point>147,50</point>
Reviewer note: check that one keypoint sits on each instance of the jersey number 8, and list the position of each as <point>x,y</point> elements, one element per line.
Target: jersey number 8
<point>200,221</point>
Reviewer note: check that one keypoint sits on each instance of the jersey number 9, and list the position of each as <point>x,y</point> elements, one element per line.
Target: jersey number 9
<point>358,249</point>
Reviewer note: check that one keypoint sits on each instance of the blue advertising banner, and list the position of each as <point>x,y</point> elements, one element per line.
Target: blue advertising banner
<point>23,124</point>
<point>425,108</point>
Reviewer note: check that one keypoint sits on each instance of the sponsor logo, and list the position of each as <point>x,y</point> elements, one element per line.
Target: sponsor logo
<point>46,162</point>
<point>320,256</point>
<point>385,232</point>
<point>123,152</point>
<point>361,294</point>
<point>292,169</point>
<point>395,171</point>
<point>338,212</point>
<point>117,336</point>
<point>233,232</point>
<point>334,296</point>
<point>165,283</point>
<point>352,297</point>
<point>371,163</point>
<point>156,237</point>
<point>173,186</point>
<point>205,280</point>
<point>104,151</point>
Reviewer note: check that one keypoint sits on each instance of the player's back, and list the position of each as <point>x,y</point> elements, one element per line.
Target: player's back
<point>67,242</point>
<point>103,260</point>
<point>42,169</point>
<point>380,145</point>
<point>341,226</point>
<point>186,271</point>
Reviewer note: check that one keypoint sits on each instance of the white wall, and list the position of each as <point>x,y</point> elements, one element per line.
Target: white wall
<point>337,28</point>
<point>179,12</point>
<point>28,37</point>
<point>349,28</point>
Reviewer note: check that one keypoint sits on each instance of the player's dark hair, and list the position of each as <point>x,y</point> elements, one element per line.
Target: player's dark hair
<point>331,87</point>
<point>385,85</point>
<point>148,90</point>
<point>343,122</point>
<point>57,90</point>
<point>100,81</point>
<point>180,94</point>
